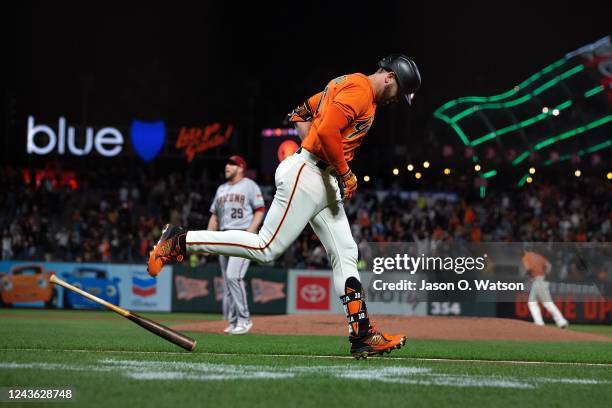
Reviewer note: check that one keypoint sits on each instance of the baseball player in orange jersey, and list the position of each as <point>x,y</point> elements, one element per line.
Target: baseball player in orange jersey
<point>538,267</point>
<point>310,187</point>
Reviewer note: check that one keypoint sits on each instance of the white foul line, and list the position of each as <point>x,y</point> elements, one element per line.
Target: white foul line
<point>306,356</point>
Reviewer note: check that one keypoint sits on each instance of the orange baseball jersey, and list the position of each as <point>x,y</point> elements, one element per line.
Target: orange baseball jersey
<point>535,264</point>
<point>353,95</point>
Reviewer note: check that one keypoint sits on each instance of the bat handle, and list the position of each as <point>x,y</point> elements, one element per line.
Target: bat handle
<point>54,279</point>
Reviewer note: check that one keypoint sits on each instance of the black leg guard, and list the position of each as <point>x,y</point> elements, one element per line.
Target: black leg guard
<point>355,308</point>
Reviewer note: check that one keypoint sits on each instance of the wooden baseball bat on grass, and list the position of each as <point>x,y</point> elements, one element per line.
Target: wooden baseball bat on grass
<point>162,331</point>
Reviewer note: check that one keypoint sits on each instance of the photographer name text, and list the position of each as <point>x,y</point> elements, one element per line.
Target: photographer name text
<point>462,285</point>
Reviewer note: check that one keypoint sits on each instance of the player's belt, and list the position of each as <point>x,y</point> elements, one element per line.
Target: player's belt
<point>312,158</point>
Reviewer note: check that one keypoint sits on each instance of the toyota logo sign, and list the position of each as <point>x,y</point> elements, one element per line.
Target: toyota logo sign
<point>313,293</point>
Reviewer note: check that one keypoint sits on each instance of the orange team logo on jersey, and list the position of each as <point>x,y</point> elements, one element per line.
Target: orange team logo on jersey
<point>354,95</point>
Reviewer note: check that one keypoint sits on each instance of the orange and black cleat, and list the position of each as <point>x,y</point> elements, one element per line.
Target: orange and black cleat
<point>169,248</point>
<point>375,342</point>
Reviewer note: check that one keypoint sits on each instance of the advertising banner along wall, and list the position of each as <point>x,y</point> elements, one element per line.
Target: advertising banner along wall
<point>201,289</point>
<point>26,284</point>
<point>312,292</point>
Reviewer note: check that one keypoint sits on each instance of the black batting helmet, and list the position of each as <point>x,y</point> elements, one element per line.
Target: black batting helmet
<point>406,72</point>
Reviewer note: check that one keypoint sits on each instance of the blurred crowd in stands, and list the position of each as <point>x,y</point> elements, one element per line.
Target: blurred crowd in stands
<point>111,216</point>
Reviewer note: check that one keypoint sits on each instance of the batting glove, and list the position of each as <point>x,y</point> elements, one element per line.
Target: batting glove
<point>348,184</point>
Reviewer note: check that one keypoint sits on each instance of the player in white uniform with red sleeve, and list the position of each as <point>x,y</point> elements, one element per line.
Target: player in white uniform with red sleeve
<point>238,205</point>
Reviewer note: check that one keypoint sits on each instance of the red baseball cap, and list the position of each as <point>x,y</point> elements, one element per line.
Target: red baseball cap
<point>237,160</point>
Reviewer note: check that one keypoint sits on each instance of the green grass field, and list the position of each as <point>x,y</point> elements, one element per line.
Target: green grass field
<point>109,361</point>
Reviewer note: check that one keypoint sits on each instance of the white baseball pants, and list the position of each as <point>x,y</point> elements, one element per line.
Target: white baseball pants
<point>540,293</point>
<point>235,305</point>
<point>305,194</point>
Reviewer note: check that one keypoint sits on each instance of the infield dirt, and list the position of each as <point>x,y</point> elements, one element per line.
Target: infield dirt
<point>443,328</point>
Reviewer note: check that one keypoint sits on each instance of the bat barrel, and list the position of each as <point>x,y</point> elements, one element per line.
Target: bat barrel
<point>172,336</point>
